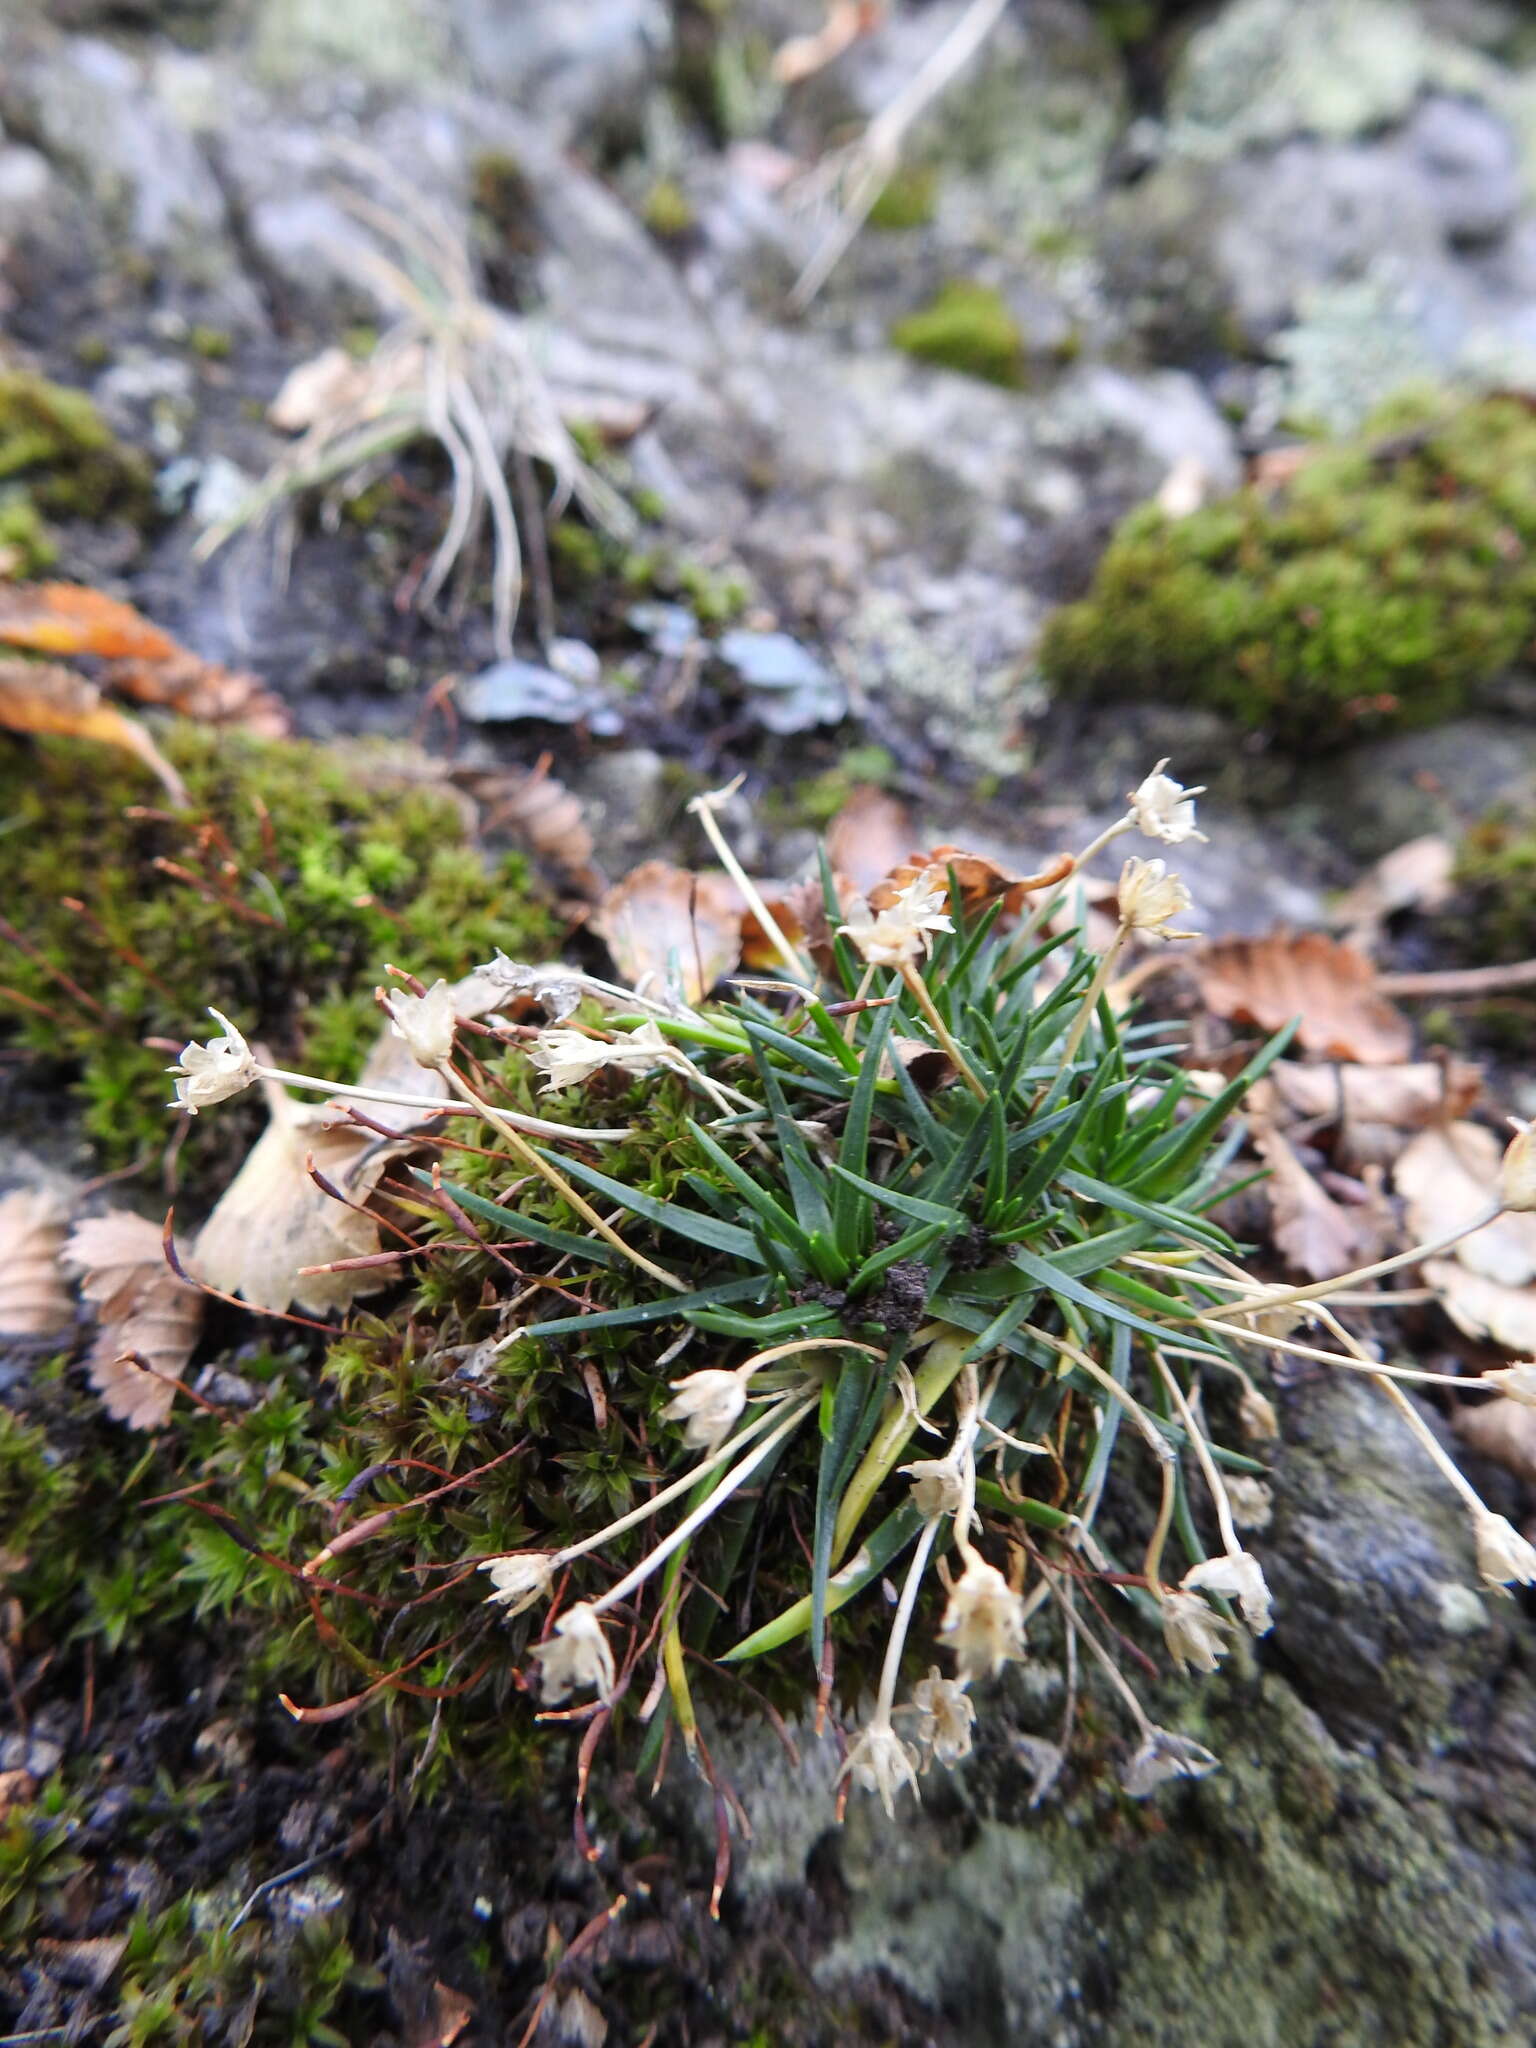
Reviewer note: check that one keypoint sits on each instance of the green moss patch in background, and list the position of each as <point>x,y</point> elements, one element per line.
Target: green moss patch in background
<point>1382,587</point>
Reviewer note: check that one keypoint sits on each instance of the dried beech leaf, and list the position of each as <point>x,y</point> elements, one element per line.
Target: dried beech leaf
<point>67,618</point>
<point>1313,1232</point>
<point>869,838</point>
<point>272,1219</point>
<point>1327,985</point>
<point>1504,1431</point>
<point>1485,1308</point>
<point>1407,1097</point>
<point>148,1321</point>
<point>1416,876</point>
<point>541,814</point>
<point>981,880</point>
<point>669,928</point>
<point>1446,1176</point>
<point>40,696</point>
<point>34,1301</point>
<point>200,689</point>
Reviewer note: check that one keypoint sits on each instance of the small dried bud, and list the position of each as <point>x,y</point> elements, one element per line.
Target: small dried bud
<point>210,1073</point>
<point>1238,1576</point>
<point>576,1655</point>
<point>1165,809</point>
<point>946,1714</point>
<point>937,1486</point>
<point>984,1621</point>
<point>1251,1502</point>
<point>1149,897</point>
<point>1503,1555</point>
<point>881,1762</point>
<point>708,1404</point>
<point>519,1580</point>
<point>1517,1175</point>
<point>1257,1414</point>
<point>900,932</point>
<point>424,1022</point>
<point>1516,1382</point>
<point>1195,1633</point>
<point>1164,1755</point>
<point>568,1057</point>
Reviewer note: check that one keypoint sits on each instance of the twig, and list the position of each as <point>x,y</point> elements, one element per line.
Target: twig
<point>1459,981</point>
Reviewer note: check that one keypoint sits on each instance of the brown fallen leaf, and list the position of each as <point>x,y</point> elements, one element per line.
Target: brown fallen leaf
<point>203,690</point>
<point>312,390</point>
<point>1415,876</point>
<point>1407,1097</point>
<point>980,879</point>
<point>1485,1308</point>
<point>1317,1235</point>
<point>68,618</point>
<point>870,836</point>
<point>40,696</point>
<point>1449,1174</point>
<point>847,20</point>
<point>148,1321</point>
<point>1502,1430</point>
<point>541,814</point>
<point>668,928</point>
<point>1328,986</point>
<point>34,1301</point>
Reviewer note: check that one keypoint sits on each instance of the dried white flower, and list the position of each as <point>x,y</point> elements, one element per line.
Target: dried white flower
<point>1164,1755</point>
<point>945,1716</point>
<point>424,1022</point>
<point>557,990</point>
<point>1195,1633</point>
<point>1149,897</point>
<point>576,1655</point>
<point>900,932</point>
<point>707,1403</point>
<point>938,1485</point>
<point>1239,1576</point>
<point>881,1762</point>
<point>984,1621</point>
<point>519,1580</point>
<point>566,1057</point>
<point>1257,1414</point>
<point>1516,1382</point>
<point>210,1073</point>
<point>1251,1502</point>
<point>1517,1174</point>
<point>1165,809</point>
<point>1503,1555</point>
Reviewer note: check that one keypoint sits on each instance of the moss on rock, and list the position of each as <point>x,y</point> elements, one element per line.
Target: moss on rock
<point>968,327</point>
<point>278,896</point>
<point>1381,588</point>
<point>59,457</point>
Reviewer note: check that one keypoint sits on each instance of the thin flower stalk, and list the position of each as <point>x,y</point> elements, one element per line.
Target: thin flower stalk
<point>703,807</point>
<point>1232,1543</point>
<point>943,1362</point>
<point>1282,1297</point>
<point>917,988</point>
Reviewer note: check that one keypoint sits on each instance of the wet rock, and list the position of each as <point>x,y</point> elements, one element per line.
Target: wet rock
<point>788,689</point>
<point>510,691</point>
<point>584,70</point>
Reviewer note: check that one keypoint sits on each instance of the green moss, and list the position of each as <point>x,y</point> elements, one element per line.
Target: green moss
<point>278,896</point>
<point>907,199</point>
<point>212,343</point>
<point>968,327</point>
<point>26,547</point>
<point>1390,579</point>
<point>1496,875</point>
<point>55,440</point>
<point>668,211</point>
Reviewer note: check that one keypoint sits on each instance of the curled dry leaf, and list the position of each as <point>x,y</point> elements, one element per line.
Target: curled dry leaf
<point>34,1301</point>
<point>1504,1431</point>
<point>668,928</point>
<point>1317,1235</point>
<point>40,696</point>
<point>869,838</point>
<point>536,810</point>
<point>1406,1097</point>
<point>200,689</point>
<point>147,1321</point>
<point>1481,1307</point>
<point>1328,986</point>
<point>1416,876</point>
<point>981,880</point>
<point>1446,1176</point>
<point>272,1219</point>
<point>67,618</point>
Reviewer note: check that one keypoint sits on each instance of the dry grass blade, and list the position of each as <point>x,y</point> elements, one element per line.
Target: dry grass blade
<point>453,368</point>
<point>1327,986</point>
<point>148,1321</point>
<point>34,1301</point>
<point>42,697</point>
<point>670,929</point>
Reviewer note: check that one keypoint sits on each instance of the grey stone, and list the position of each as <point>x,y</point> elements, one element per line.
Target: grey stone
<point>581,69</point>
<point>788,689</point>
